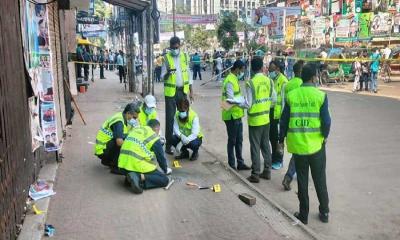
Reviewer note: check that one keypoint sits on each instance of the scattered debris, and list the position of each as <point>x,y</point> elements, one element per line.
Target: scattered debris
<point>248,199</point>
<point>49,230</point>
<point>40,189</point>
<point>214,188</point>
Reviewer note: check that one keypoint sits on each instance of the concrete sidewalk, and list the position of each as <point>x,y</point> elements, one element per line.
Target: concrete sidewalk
<point>91,203</point>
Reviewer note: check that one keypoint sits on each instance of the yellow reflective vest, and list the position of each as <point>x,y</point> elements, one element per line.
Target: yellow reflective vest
<point>105,134</point>
<point>144,118</point>
<point>170,83</point>
<point>136,154</point>
<point>235,112</point>
<point>304,136</point>
<point>258,113</point>
<point>279,83</point>
<point>186,127</point>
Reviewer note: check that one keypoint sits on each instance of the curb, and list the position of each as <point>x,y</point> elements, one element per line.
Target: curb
<point>33,226</point>
<point>278,207</point>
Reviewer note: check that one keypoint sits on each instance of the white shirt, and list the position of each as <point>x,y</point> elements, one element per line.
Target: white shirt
<point>195,129</point>
<point>219,63</point>
<point>386,52</point>
<point>177,63</point>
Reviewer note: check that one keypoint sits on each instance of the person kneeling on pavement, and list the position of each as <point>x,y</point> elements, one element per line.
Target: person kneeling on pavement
<point>138,154</point>
<point>187,130</point>
<point>148,110</point>
<point>112,133</point>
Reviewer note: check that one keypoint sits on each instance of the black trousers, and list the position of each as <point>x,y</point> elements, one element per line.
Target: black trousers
<point>277,157</point>
<point>86,71</point>
<point>101,71</point>
<point>170,110</point>
<point>78,70</point>
<point>111,154</point>
<point>317,163</point>
<point>235,142</point>
<point>121,72</point>
<point>196,71</point>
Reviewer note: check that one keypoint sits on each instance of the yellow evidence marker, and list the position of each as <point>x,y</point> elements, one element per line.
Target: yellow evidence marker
<point>177,164</point>
<point>217,188</point>
<point>36,210</point>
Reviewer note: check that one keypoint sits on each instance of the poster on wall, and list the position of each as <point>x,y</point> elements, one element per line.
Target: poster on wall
<point>319,26</point>
<point>49,126</point>
<point>396,24</point>
<point>347,30</point>
<point>36,131</point>
<point>381,25</point>
<point>365,20</point>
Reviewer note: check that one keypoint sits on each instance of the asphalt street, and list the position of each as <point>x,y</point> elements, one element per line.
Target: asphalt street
<point>362,164</point>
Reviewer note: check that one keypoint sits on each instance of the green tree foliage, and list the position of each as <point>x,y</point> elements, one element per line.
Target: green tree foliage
<point>198,38</point>
<point>226,32</point>
<point>101,9</point>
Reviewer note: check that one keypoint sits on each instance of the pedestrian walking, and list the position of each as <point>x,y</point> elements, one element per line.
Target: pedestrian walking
<point>232,117</point>
<point>258,97</point>
<point>121,66</point>
<point>276,74</point>
<point>87,59</point>
<point>375,58</point>
<point>101,64</point>
<point>365,79</point>
<point>306,124</point>
<point>177,85</point>
<point>357,74</point>
<point>111,58</point>
<point>218,68</point>
<point>196,62</point>
<point>158,64</point>
<point>137,158</point>
<point>294,83</point>
<point>80,59</point>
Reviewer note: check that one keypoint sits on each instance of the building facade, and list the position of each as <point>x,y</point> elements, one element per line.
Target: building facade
<point>240,7</point>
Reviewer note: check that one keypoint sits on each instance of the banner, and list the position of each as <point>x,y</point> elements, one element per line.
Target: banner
<point>319,26</point>
<point>365,20</point>
<point>396,25</point>
<point>189,19</point>
<point>347,29</point>
<point>265,16</point>
<point>34,120</point>
<point>381,25</point>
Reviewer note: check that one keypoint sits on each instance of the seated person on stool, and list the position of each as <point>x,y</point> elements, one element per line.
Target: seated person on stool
<point>187,130</point>
<point>112,133</point>
<point>141,148</point>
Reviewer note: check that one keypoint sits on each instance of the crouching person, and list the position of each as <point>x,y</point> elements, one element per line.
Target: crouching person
<point>137,157</point>
<point>187,130</point>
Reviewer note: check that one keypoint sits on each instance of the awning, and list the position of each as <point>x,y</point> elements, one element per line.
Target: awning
<point>85,42</point>
<point>135,5</point>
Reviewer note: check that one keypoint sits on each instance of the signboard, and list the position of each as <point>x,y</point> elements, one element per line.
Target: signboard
<point>347,29</point>
<point>381,25</point>
<point>396,25</point>
<point>87,19</point>
<point>319,26</point>
<point>189,19</point>
<point>265,16</point>
<point>365,20</point>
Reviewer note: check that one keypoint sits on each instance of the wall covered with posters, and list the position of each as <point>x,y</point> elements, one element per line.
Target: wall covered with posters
<point>40,66</point>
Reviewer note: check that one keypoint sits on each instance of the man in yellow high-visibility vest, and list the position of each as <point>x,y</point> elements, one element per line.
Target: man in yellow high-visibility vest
<point>276,74</point>
<point>112,133</point>
<point>259,98</point>
<point>177,84</point>
<point>306,124</point>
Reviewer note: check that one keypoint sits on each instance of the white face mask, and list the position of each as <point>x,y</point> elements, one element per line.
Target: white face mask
<point>133,123</point>
<point>241,75</point>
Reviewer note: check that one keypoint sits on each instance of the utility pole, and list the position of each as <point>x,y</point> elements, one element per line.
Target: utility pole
<point>173,17</point>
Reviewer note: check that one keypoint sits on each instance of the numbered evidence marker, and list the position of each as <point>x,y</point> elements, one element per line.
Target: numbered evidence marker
<point>177,164</point>
<point>217,188</point>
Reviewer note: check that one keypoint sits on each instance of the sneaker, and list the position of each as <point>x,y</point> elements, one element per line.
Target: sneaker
<point>286,183</point>
<point>277,166</point>
<point>254,178</point>
<point>243,167</point>
<point>194,156</point>
<point>183,155</point>
<point>324,217</point>
<point>266,174</point>
<point>297,215</point>
<point>134,181</point>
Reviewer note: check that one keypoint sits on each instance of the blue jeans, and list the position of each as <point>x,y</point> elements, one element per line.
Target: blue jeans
<point>193,145</point>
<point>154,179</point>
<point>291,169</point>
<point>235,142</point>
<point>374,81</point>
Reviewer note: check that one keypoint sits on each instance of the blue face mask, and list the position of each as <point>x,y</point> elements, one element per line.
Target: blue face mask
<point>183,115</point>
<point>133,122</point>
<point>273,75</point>
<point>175,52</point>
<point>149,111</point>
